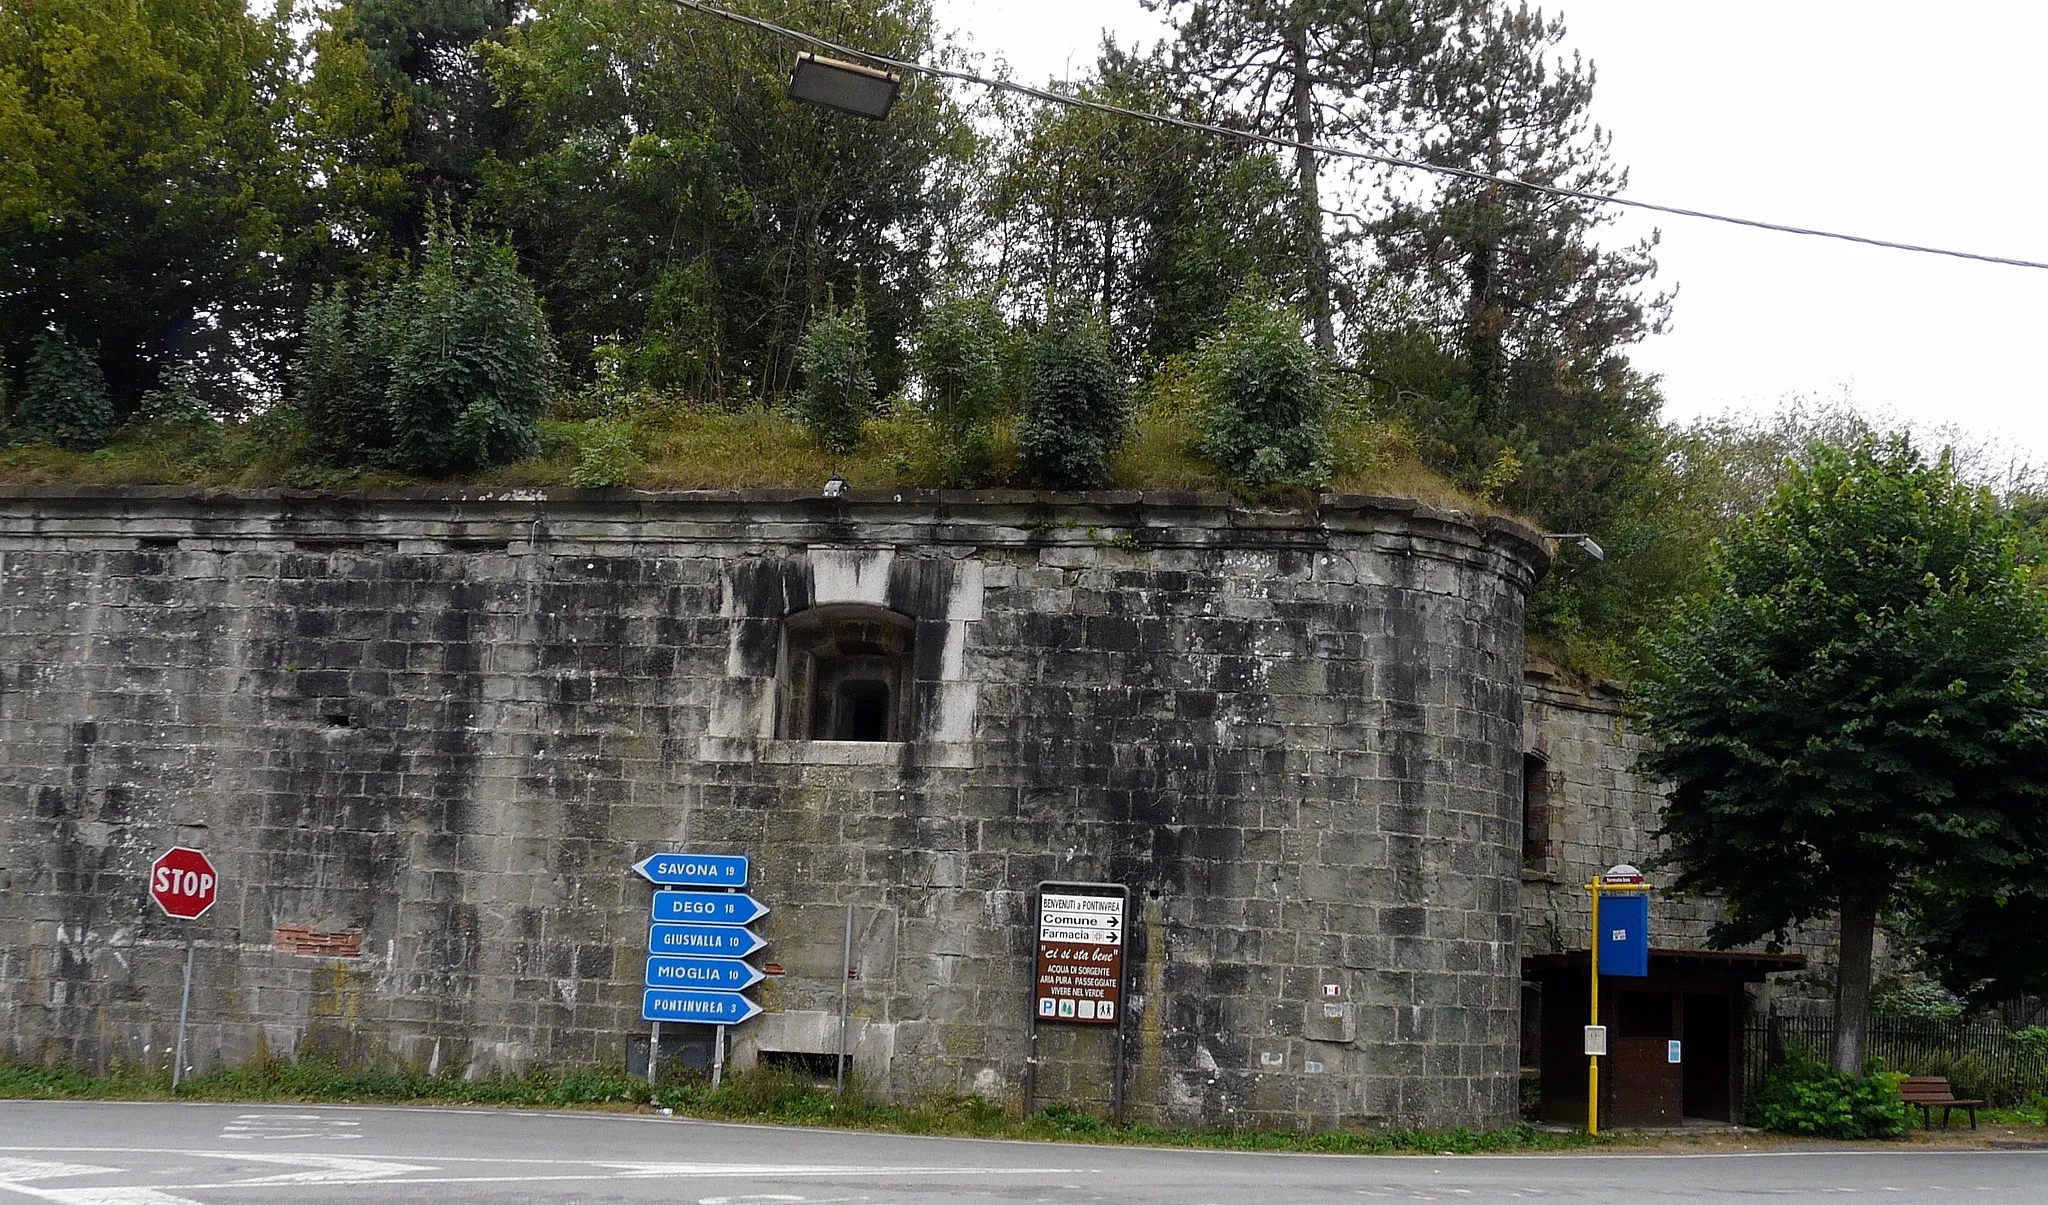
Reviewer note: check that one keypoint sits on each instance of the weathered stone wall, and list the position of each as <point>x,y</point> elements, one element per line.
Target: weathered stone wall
<point>1597,810</point>
<point>449,723</point>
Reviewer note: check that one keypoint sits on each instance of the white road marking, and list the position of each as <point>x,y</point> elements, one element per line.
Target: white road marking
<point>327,1169</point>
<point>278,1127</point>
<point>101,1196</point>
<point>35,1169</point>
<point>370,1171</point>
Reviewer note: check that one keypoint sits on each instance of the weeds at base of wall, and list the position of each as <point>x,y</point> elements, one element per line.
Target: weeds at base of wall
<point>773,1096</point>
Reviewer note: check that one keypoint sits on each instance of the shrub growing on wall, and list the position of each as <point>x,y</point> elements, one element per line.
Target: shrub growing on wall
<point>344,377</point>
<point>64,395</point>
<point>839,379</point>
<point>1075,414</point>
<point>469,372</point>
<point>1265,415</point>
<point>444,370</point>
<point>959,363</point>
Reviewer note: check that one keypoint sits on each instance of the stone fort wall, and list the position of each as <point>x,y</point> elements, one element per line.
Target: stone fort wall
<point>425,735</point>
<point>1591,808</point>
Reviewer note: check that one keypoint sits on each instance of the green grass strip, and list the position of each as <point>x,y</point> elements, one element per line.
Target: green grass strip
<point>766,1096</point>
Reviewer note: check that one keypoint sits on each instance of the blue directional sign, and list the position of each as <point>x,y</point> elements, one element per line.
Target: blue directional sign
<point>721,974</point>
<point>702,1008</point>
<point>714,941</point>
<point>708,907</point>
<point>694,870</point>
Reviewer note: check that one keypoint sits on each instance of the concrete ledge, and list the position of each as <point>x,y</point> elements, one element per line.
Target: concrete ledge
<point>522,521</point>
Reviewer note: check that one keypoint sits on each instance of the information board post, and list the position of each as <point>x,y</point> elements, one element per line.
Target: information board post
<point>1632,947</point>
<point>1078,974</point>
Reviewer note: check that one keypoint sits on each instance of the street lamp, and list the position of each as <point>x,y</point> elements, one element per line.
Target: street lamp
<point>847,87</point>
<point>1580,538</point>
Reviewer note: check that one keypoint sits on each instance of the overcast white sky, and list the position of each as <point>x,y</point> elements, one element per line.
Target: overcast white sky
<point>1899,120</point>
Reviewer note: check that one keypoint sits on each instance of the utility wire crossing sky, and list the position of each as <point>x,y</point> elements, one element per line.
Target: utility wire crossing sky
<point>1051,97</point>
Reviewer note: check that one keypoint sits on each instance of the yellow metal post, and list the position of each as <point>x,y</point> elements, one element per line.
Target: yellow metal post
<point>1593,1060</point>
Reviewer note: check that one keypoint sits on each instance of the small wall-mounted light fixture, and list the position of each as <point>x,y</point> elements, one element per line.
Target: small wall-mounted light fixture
<point>837,488</point>
<point>1580,538</point>
<point>847,87</point>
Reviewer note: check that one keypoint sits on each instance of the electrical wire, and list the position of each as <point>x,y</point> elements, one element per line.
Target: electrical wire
<point>1274,140</point>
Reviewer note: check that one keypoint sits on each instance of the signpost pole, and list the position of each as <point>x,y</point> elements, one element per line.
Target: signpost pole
<point>845,990</point>
<point>653,1046</point>
<point>1593,1060</point>
<point>1031,1061</point>
<point>184,885</point>
<point>184,1009</point>
<point>1116,1090</point>
<point>718,1059</point>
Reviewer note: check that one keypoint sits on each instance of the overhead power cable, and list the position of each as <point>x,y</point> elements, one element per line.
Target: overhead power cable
<point>1339,152</point>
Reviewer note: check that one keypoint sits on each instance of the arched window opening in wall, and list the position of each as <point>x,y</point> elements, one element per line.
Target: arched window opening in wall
<point>847,674</point>
<point>1541,850</point>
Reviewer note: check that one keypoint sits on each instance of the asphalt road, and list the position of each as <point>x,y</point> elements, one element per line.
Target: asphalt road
<point>83,1153</point>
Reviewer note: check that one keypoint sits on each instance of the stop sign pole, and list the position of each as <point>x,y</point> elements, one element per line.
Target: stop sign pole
<point>184,884</point>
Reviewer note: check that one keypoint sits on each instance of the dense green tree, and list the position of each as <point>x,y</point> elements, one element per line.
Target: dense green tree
<point>1076,407</point>
<point>1311,70</point>
<point>1856,710</point>
<point>352,132</point>
<point>141,182</point>
<point>1266,413</point>
<point>430,114</point>
<point>1506,322</point>
<point>1985,943</point>
<point>1516,276</point>
<point>656,153</point>
<point>1154,226</point>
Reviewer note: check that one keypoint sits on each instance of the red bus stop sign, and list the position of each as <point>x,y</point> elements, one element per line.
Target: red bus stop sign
<point>183,883</point>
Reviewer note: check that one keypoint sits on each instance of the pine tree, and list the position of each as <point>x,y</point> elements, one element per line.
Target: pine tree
<point>1311,70</point>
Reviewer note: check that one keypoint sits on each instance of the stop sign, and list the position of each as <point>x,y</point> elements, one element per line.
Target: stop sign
<point>183,883</point>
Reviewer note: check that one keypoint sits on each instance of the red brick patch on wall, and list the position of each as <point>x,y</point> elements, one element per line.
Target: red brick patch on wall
<point>304,939</point>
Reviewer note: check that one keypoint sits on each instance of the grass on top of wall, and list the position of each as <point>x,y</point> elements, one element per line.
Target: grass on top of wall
<point>652,443</point>
<point>777,1097</point>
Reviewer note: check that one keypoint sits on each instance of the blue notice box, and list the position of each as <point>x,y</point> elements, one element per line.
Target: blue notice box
<point>721,974</point>
<point>711,941</point>
<point>1625,934</point>
<point>708,907</point>
<point>694,870</point>
<point>696,1008</point>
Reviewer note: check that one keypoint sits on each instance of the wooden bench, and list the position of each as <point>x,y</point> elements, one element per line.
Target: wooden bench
<point>1927,1091</point>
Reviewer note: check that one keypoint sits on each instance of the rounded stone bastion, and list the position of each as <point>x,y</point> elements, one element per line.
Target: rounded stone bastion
<point>425,736</point>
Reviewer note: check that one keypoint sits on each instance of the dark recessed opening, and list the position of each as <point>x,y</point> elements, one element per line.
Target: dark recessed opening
<point>802,1062</point>
<point>862,711</point>
<point>336,719</point>
<point>1537,844</point>
<point>849,675</point>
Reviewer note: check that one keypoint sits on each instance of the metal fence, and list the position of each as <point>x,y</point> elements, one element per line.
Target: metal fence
<point>1981,1057</point>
